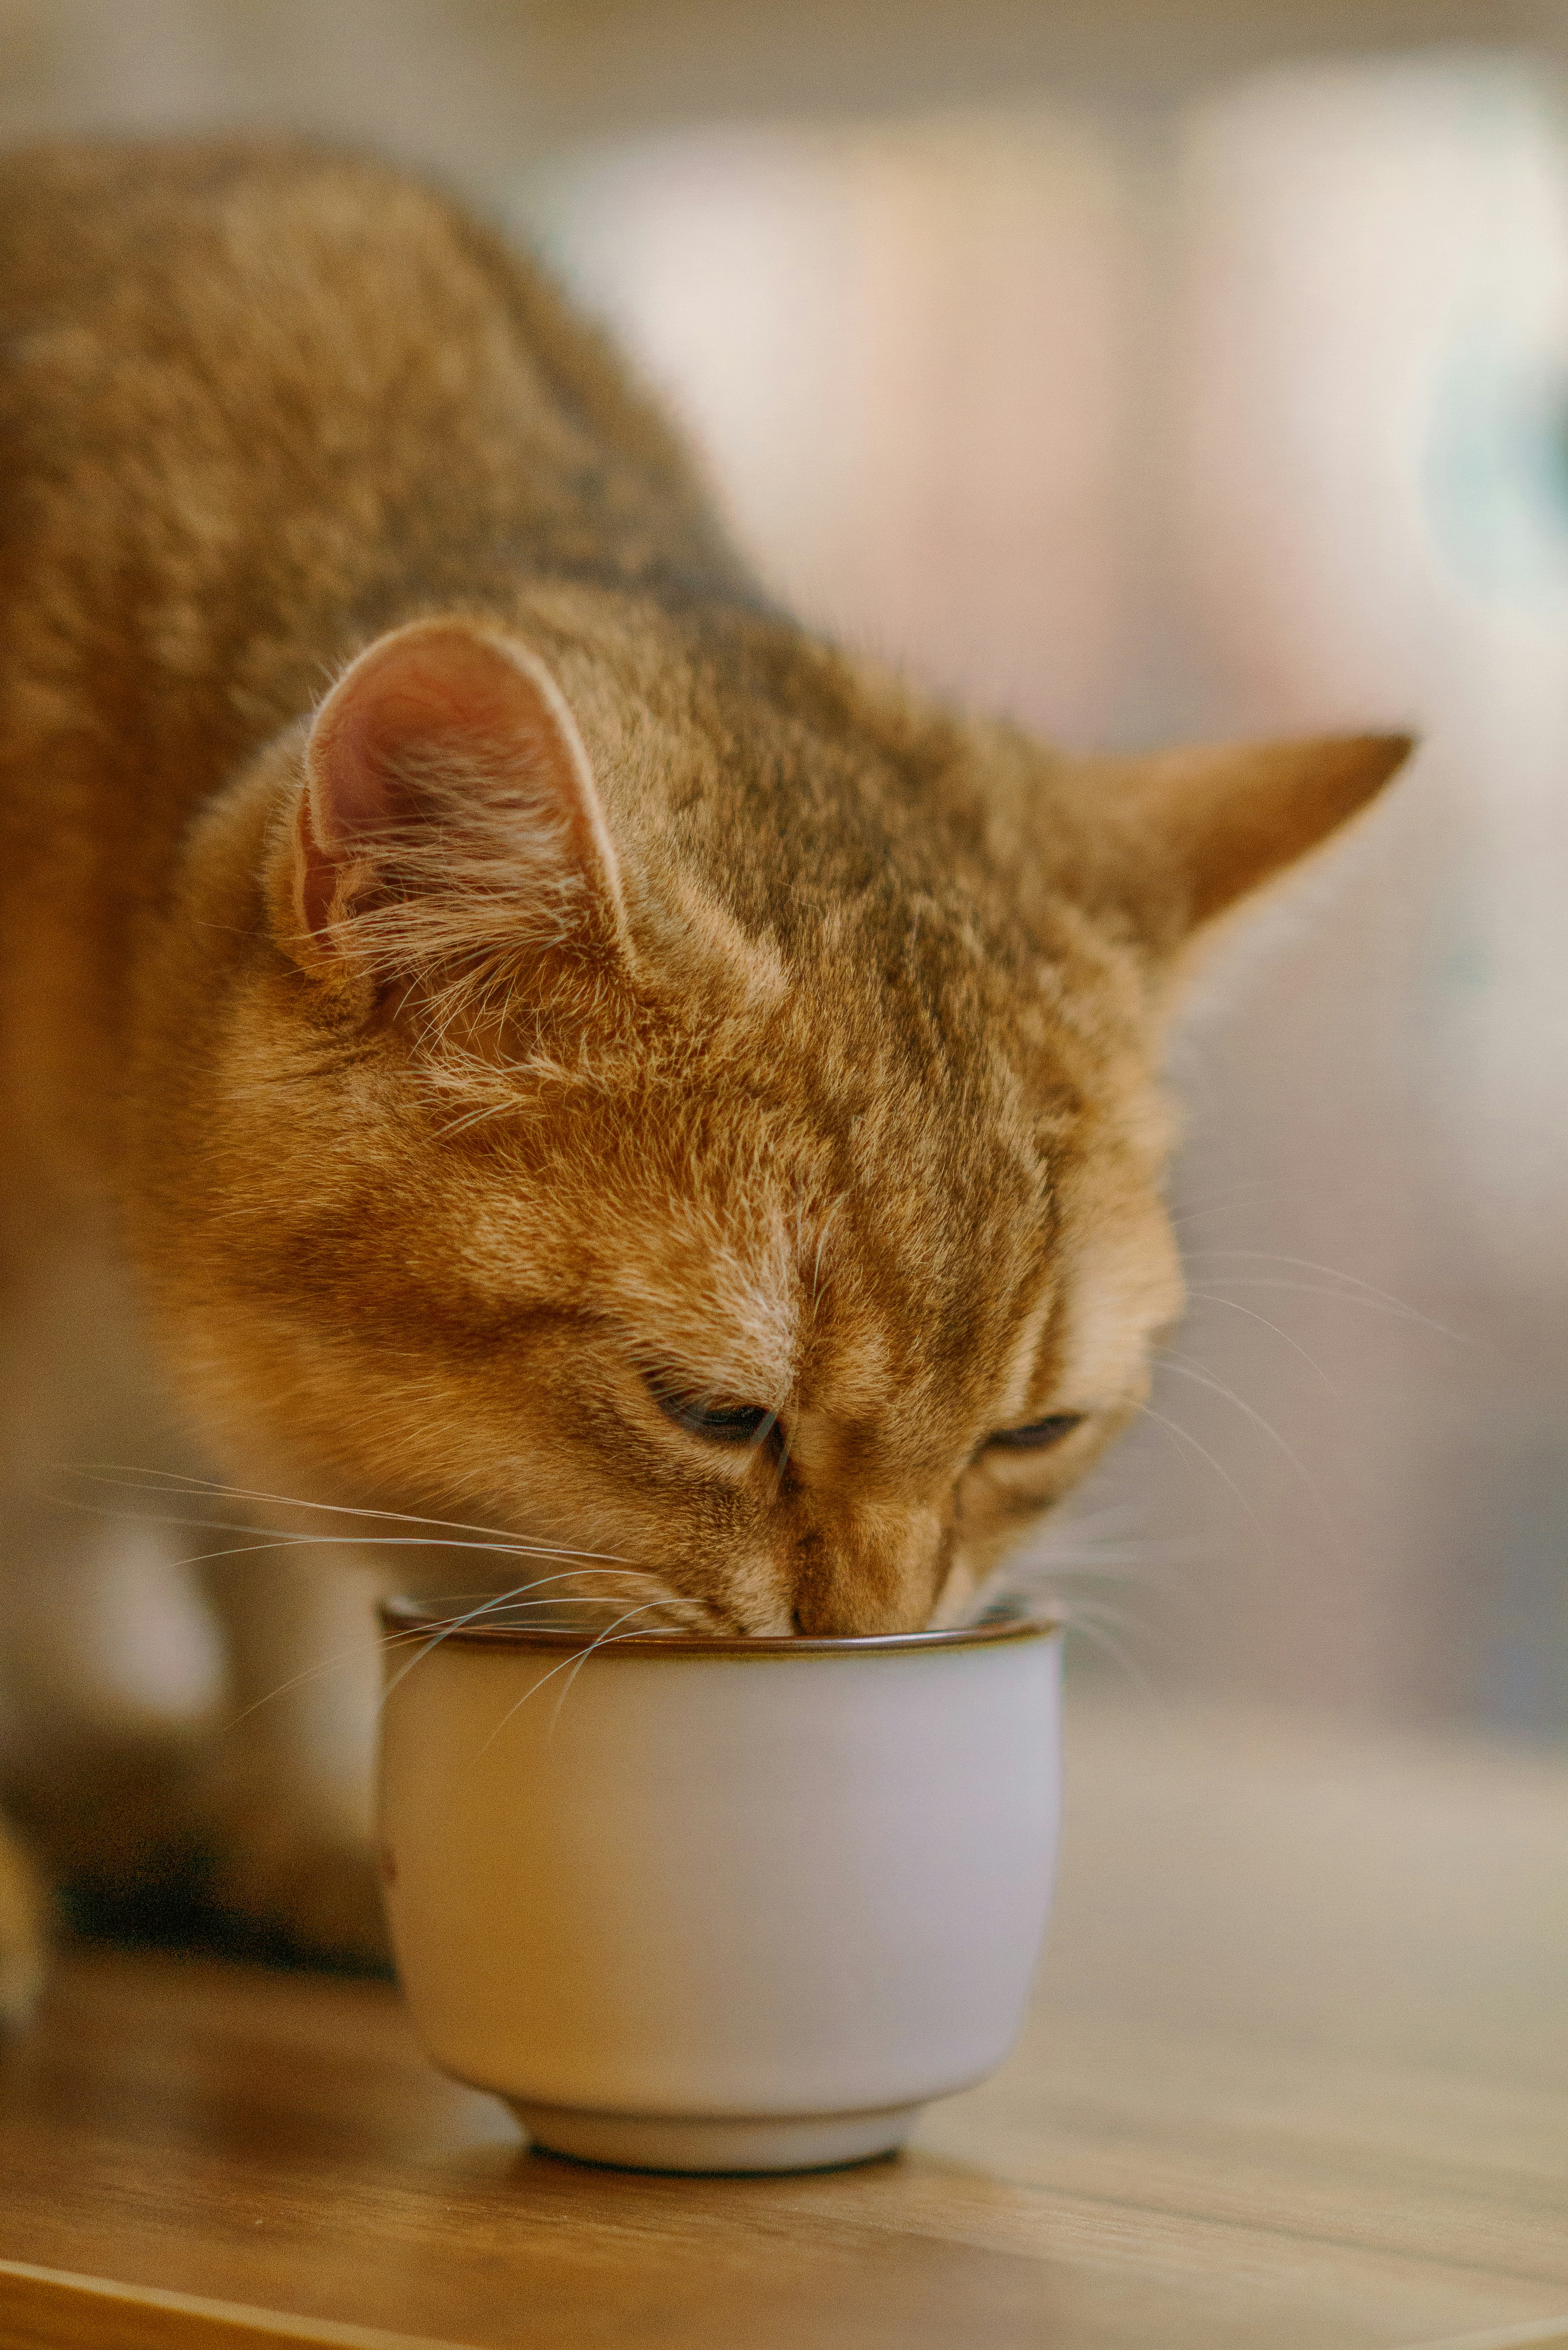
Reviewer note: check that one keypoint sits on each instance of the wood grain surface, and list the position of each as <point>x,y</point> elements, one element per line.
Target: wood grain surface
<point>1297,2076</point>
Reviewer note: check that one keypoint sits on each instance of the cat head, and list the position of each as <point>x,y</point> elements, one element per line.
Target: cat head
<point>647,1084</point>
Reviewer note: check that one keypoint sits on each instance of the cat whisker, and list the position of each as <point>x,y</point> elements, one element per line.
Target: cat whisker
<point>1352,1285</point>
<point>1068,1523</point>
<point>140,1479</point>
<point>1038,1573</point>
<point>384,1641</point>
<point>1118,1652</point>
<point>273,1539</point>
<point>456,1624</point>
<point>1390,1307</point>
<point>612,1632</point>
<point>1235,1195</point>
<point>1217,1387</point>
<point>1077,1615</point>
<point>1213,1297</point>
<point>1175,1429</point>
<point>576,1664</point>
<point>1106,1556</point>
<point>1045,1583</point>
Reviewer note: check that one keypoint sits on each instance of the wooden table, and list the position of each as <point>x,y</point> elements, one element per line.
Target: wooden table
<point>1297,2075</point>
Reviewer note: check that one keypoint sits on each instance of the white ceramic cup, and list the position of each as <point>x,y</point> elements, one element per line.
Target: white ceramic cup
<point>717,1904</point>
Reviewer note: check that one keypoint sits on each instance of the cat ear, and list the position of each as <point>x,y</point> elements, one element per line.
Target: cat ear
<point>447,804</point>
<point>1172,841</point>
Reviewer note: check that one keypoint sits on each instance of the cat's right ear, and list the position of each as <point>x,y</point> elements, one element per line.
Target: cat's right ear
<point>1167,844</point>
<point>448,808</point>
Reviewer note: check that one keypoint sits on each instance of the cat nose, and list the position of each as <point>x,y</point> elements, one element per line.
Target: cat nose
<point>870,1570</point>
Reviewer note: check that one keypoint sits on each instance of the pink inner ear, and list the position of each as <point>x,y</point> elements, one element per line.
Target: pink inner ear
<point>435,689</point>
<point>418,690</point>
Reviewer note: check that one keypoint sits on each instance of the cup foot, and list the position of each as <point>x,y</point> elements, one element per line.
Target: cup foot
<point>758,2142</point>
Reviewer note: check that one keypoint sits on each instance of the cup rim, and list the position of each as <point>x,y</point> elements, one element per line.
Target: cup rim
<point>411,1616</point>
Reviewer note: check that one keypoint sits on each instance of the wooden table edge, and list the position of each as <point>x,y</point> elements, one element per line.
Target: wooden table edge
<point>51,2309</point>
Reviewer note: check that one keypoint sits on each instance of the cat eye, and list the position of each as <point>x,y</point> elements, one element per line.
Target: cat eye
<point>721,1423</point>
<point>1037,1435</point>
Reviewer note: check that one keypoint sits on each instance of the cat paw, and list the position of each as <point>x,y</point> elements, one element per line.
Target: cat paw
<point>22,1932</point>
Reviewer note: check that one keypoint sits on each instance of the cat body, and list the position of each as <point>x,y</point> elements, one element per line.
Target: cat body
<point>498,1026</point>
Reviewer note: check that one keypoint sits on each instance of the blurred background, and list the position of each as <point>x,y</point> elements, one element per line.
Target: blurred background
<point>1193,368</point>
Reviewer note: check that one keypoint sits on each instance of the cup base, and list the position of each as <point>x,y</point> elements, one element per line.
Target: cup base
<point>757,2142</point>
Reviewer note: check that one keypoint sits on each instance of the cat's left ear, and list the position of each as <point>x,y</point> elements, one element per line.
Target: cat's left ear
<point>448,804</point>
<point>1170,842</point>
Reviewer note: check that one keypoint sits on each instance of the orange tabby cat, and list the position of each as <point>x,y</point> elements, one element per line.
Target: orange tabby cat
<point>499,1023</point>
